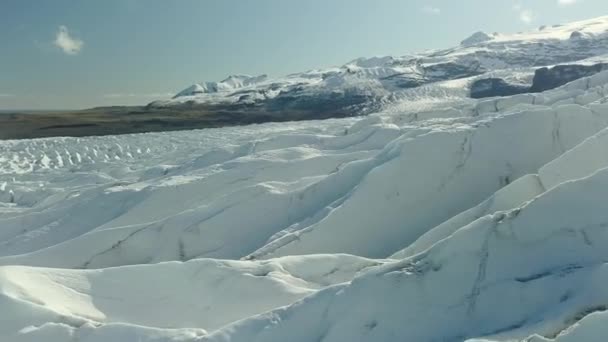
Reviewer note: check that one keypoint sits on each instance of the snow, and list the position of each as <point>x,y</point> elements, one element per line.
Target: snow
<point>579,162</point>
<point>436,219</point>
<point>231,83</point>
<point>532,275</point>
<point>115,296</point>
<point>511,196</point>
<point>453,170</point>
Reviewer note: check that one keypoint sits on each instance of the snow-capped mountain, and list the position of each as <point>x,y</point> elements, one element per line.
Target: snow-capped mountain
<point>440,218</point>
<point>231,83</point>
<point>366,81</point>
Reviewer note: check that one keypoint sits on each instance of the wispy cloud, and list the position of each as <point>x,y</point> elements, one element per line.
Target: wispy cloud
<point>431,10</point>
<point>525,15</point>
<point>131,95</point>
<point>567,2</point>
<point>67,43</point>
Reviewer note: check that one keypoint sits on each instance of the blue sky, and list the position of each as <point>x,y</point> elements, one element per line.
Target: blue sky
<point>65,54</point>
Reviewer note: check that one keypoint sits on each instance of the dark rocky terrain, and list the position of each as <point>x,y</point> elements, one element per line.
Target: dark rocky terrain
<point>544,79</point>
<point>139,119</point>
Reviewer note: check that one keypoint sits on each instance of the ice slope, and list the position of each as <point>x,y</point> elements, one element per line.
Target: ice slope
<point>579,162</point>
<point>439,175</point>
<point>511,196</point>
<point>202,293</point>
<point>537,266</point>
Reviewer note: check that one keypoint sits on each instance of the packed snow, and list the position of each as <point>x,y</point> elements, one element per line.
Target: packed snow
<point>443,219</point>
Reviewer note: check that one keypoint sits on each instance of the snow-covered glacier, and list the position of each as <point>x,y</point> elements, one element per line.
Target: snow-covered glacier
<point>437,218</point>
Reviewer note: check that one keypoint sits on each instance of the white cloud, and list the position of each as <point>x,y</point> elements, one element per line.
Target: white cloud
<point>67,43</point>
<point>431,10</point>
<point>525,15</point>
<point>566,2</point>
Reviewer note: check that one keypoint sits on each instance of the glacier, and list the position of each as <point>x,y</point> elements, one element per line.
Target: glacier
<point>438,217</point>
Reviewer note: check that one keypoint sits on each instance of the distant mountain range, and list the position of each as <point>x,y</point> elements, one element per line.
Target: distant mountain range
<point>485,64</point>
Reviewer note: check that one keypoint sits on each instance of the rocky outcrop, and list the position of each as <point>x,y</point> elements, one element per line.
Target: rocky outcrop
<point>550,78</point>
<point>544,79</point>
<point>491,87</point>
